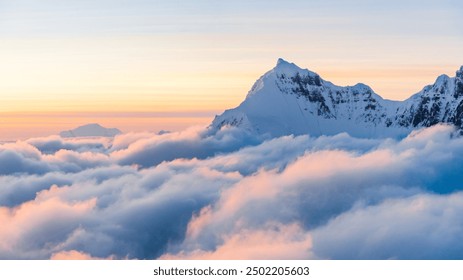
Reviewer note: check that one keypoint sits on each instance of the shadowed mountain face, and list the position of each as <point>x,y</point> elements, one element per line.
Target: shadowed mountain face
<point>290,100</point>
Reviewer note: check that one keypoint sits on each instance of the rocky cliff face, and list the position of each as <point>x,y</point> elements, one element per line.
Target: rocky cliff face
<point>290,100</point>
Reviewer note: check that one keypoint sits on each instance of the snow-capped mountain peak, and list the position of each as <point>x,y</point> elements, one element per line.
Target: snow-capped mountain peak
<point>281,61</point>
<point>286,68</point>
<point>291,100</point>
<point>283,66</point>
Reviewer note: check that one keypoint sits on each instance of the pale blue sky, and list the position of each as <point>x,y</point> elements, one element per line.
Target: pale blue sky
<point>344,18</point>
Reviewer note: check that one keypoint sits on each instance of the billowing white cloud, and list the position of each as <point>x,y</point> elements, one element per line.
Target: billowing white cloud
<point>52,144</point>
<point>196,194</point>
<point>419,227</point>
<point>191,143</point>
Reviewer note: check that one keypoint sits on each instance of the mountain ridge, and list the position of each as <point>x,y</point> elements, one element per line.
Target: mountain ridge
<point>290,100</point>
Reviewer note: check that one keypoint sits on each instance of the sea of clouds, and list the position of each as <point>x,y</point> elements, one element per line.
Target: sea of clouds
<point>199,194</point>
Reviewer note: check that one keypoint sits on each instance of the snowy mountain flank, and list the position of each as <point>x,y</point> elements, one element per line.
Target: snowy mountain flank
<point>90,130</point>
<point>290,100</point>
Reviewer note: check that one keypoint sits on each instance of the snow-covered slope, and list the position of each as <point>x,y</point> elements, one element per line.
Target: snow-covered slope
<point>290,100</point>
<point>91,130</point>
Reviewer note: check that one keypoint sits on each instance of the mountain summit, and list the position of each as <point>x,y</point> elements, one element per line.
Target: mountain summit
<point>291,100</point>
<point>90,130</point>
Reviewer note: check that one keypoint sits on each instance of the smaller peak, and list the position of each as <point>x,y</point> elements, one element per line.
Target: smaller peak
<point>362,87</point>
<point>442,78</point>
<point>441,81</point>
<point>90,125</point>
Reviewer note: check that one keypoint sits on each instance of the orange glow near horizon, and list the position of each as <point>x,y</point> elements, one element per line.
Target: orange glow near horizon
<point>21,126</point>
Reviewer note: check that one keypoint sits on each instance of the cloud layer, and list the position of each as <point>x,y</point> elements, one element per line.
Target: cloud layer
<point>233,195</point>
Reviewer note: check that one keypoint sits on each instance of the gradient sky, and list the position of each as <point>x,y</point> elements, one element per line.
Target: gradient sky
<point>140,60</point>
